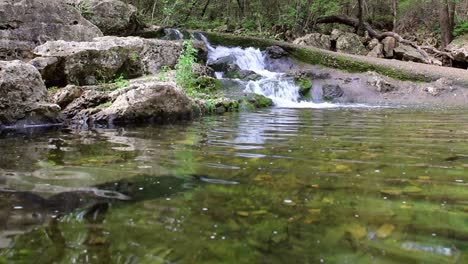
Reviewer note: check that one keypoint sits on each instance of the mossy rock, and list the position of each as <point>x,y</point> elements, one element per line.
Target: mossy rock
<point>253,101</point>
<point>207,84</point>
<point>304,86</point>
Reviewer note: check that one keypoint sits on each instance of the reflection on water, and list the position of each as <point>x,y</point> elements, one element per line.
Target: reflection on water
<point>279,185</point>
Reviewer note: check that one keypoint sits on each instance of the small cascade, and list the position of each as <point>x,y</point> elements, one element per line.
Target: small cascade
<point>173,34</point>
<point>274,85</point>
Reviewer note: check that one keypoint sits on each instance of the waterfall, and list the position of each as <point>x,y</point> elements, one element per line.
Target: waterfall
<point>274,85</point>
<point>173,34</point>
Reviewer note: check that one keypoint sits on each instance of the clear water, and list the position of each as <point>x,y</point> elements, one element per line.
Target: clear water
<point>274,186</point>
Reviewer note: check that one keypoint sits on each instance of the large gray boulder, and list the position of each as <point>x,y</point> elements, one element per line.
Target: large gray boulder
<point>348,42</point>
<point>23,96</point>
<point>407,53</point>
<point>459,48</point>
<point>153,101</point>
<point>113,17</point>
<point>105,59</point>
<point>25,24</point>
<point>315,40</point>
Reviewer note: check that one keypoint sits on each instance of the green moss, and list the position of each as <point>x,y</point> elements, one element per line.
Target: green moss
<point>254,101</point>
<point>232,75</point>
<point>207,84</point>
<point>104,105</point>
<point>350,65</point>
<point>304,86</point>
<point>52,89</point>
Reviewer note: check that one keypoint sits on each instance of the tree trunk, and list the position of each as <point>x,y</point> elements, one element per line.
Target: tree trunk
<point>204,8</point>
<point>446,22</point>
<point>395,13</point>
<point>361,27</point>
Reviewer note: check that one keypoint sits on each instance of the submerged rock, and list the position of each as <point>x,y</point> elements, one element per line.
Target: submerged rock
<point>23,96</point>
<point>104,59</point>
<point>25,24</point>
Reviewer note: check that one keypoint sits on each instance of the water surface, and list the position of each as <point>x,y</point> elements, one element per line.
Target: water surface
<point>338,185</point>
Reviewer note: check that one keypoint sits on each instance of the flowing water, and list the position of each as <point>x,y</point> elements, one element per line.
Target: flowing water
<point>274,186</point>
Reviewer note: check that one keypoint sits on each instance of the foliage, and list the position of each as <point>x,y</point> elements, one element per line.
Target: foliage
<point>118,82</point>
<point>184,75</point>
<point>134,57</point>
<point>52,89</point>
<point>121,82</point>
<point>162,73</point>
<point>84,7</point>
<point>461,29</point>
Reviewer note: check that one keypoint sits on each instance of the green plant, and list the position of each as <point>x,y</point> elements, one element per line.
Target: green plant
<point>104,105</point>
<point>84,8</point>
<point>461,29</point>
<point>184,75</point>
<point>52,89</point>
<point>162,73</point>
<point>121,82</point>
<point>210,106</point>
<point>134,57</point>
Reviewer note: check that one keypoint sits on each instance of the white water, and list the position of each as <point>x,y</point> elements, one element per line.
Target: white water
<point>173,33</point>
<point>274,85</point>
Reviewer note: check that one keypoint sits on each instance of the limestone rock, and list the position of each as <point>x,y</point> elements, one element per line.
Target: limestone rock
<point>331,91</point>
<point>440,86</point>
<point>202,70</point>
<point>316,40</point>
<point>309,74</point>
<point>106,58</point>
<point>113,17</point>
<point>380,84</point>
<point>25,24</point>
<point>221,64</point>
<point>23,96</point>
<point>377,51</point>
<point>91,97</point>
<point>389,44</point>
<point>66,95</point>
<point>276,52</point>
<point>372,44</point>
<point>459,48</point>
<point>407,53</point>
<point>147,102</point>
<point>348,42</point>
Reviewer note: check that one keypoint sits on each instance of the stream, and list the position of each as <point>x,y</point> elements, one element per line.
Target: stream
<point>301,182</point>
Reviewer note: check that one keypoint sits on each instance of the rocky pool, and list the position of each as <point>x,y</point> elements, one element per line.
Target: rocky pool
<point>340,185</point>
